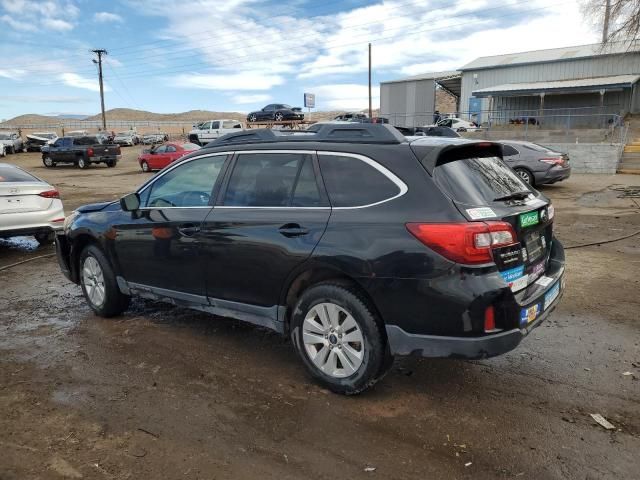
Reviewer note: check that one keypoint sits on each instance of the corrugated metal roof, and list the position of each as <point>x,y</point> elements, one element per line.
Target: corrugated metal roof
<point>428,76</point>
<point>559,85</point>
<point>552,55</point>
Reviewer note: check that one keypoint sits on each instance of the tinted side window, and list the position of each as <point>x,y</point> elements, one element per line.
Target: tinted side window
<point>188,185</point>
<point>215,125</point>
<point>263,179</point>
<point>508,150</point>
<point>352,182</point>
<point>306,193</point>
<point>171,149</point>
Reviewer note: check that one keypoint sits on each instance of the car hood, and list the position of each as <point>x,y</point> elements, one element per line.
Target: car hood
<point>94,207</point>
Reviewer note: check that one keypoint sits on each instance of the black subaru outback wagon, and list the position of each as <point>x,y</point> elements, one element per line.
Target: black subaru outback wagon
<point>357,243</point>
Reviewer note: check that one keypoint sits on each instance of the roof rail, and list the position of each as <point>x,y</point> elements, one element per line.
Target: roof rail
<point>320,132</point>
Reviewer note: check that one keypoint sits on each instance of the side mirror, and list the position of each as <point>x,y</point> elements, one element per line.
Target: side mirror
<point>130,202</point>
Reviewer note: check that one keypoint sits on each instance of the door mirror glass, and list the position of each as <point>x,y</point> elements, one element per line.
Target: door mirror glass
<point>130,203</point>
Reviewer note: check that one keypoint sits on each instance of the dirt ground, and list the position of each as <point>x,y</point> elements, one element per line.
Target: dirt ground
<point>167,393</point>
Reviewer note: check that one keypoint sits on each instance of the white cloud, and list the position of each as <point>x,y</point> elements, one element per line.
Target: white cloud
<point>344,96</point>
<point>78,81</point>
<point>237,81</point>
<point>251,98</point>
<point>12,73</point>
<point>107,17</point>
<point>44,99</point>
<point>35,15</point>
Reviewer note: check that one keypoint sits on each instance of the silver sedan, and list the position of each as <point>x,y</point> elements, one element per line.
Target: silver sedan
<point>28,205</point>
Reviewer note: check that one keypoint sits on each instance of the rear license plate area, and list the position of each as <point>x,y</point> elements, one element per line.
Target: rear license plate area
<point>535,245</point>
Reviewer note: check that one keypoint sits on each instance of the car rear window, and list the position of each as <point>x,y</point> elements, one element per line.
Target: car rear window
<point>10,174</point>
<point>190,146</point>
<point>478,181</point>
<point>85,141</point>
<point>352,182</point>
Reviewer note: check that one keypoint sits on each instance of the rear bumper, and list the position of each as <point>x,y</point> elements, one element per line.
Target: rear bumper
<point>105,158</point>
<point>554,174</point>
<point>30,223</point>
<point>63,253</point>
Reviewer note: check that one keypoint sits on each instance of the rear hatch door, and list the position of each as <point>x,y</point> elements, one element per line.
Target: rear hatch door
<point>486,189</point>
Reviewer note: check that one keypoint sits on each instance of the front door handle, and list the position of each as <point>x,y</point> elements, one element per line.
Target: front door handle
<point>291,230</point>
<point>188,230</point>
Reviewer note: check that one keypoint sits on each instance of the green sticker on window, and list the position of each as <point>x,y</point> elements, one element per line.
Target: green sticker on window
<point>528,219</point>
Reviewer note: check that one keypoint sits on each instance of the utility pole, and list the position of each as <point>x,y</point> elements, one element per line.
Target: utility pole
<point>605,27</point>
<point>100,53</point>
<point>370,109</point>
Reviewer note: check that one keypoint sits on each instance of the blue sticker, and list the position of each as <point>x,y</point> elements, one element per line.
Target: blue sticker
<point>528,315</point>
<point>512,274</point>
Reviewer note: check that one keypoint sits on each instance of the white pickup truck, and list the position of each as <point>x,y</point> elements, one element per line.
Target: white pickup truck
<point>205,132</point>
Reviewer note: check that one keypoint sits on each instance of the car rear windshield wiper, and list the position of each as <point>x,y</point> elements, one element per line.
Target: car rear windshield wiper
<point>513,196</point>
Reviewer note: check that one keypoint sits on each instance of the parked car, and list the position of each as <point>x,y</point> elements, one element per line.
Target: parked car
<point>352,117</point>
<point>153,138</point>
<point>356,243</point>
<point>76,133</point>
<point>129,138</point>
<point>277,112</point>
<point>35,141</point>
<point>104,137</point>
<point>536,164</point>
<point>205,132</point>
<point>159,157</point>
<point>81,151</point>
<point>458,124</point>
<point>28,205</point>
<point>428,132</point>
<point>11,142</point>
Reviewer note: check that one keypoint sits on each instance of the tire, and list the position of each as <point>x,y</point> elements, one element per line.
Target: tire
<point>525,175</point>
<point>99,284</point>
<point>252,118</point>
<point>45,238</point>
<point>145,166</point>
<point>48,162</point>
<point>342,366</point>
<point>111,163</point>
<point>82,163</point>
<point>278,117</point>
<point>11,150</point>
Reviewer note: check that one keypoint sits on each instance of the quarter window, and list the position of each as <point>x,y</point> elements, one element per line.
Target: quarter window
<point>272,180</point>
<point>188,185</point>
<point>351,182</point>
<point>508,151</point>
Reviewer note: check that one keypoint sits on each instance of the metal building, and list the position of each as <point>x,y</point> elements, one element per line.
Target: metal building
<point>589,83</point>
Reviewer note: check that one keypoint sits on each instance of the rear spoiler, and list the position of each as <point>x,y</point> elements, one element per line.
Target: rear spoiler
<point>434,155</point>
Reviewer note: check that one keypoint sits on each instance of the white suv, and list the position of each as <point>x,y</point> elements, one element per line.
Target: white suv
<point>208,131</point>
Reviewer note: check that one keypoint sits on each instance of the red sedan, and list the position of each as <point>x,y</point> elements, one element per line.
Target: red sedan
<point>160,156</point>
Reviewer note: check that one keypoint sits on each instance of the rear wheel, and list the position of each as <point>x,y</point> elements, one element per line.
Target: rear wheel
<point>82,163</point>
<point>111,163</point>
<point>45,238</point>
<point>525,175</point>
<point>99,284</point>
<point>337,337</point>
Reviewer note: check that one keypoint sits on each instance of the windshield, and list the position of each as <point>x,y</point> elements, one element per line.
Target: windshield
<point>478,181</point>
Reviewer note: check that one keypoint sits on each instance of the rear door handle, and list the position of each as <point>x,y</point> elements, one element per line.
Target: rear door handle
<point>188,230</point>
<point>291,230</point>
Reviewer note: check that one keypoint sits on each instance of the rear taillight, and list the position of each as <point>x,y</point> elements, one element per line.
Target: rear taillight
<point>50,194</point>
<point>90,152</point>
<point>118,151</point>
<point>553,160</point>
<point>468,243</point>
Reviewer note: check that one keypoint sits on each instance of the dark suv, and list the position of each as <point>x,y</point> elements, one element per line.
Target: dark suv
<point>355,242</point>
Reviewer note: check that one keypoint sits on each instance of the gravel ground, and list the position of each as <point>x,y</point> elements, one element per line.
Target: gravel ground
<point>163,392</point>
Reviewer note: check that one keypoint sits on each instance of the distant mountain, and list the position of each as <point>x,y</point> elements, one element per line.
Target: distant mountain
<point>72,116</point>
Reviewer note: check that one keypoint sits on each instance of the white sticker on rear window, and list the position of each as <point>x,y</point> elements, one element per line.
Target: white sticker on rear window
<point>544,281</point>
<point>482,212</point>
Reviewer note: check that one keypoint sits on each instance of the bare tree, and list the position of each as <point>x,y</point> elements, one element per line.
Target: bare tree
<point>618,19</point>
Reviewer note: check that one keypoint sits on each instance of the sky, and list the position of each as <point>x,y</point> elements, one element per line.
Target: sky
<point>171,56</point>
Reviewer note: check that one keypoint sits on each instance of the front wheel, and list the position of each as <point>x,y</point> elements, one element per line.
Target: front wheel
<point>145,166</point>
<point>279,117</point>
<point>338,338</point>
<point>252,118</point>
<point>99,284</point>
<point>48,162</point>
<point>525,175</point>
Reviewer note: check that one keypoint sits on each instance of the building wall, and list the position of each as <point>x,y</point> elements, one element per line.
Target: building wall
<point>590,157</point>
<point>540,72</point>
<point>409,103</point>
